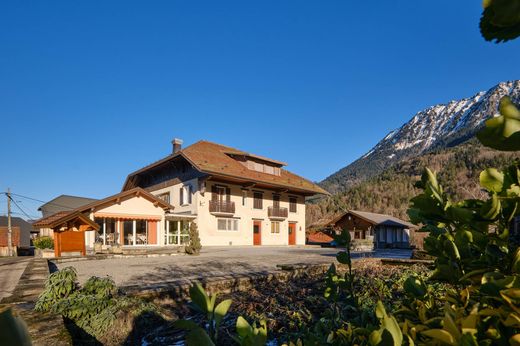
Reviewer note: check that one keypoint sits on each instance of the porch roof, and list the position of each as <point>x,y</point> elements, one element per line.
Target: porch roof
<point>62,216</point>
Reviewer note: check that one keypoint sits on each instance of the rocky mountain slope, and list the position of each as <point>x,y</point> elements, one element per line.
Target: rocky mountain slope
<point>437,127</point>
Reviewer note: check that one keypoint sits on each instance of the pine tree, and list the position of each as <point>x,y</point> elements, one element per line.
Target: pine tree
<point>193,247</point>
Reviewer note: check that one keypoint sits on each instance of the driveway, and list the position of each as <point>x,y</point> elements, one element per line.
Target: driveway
<point>11,269</point>
<point>213,261</point>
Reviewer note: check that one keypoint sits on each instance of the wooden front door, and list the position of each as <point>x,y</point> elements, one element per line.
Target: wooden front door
<point>257,233</point>
<point>292,233</point>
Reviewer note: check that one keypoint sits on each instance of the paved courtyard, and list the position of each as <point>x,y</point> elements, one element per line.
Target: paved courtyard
<point>213,261</point>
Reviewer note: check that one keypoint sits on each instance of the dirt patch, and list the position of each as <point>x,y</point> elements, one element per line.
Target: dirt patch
<point>288,306</point>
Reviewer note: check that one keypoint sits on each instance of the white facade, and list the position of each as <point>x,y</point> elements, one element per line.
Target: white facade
<point>241,221</point>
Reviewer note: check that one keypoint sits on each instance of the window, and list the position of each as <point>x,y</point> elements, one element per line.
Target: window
<point>165,197</point>
<point>141,232</point>
<point>227,224</point>
<point>276,201</point>
<point>292,204</point>
<point>128,232</point>
<point>275,227</point>
<point>268,169</point>
<point>185,195</point>
<point>257,200</point>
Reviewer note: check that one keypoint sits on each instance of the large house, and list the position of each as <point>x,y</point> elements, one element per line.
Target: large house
<point>235,198</point>
<point>379,230</point>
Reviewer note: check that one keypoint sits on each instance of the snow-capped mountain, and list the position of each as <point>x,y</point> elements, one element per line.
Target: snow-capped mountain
<point>436,127</point>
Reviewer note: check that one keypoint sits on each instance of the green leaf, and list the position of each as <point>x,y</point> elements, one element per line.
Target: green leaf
<point>440,335</point>
<point>415,286</point>
<point>13,329</point>
<point>491,209</point>
<point>199,297</point>
<point>221,310</point>
<point>380,310</point>
<point>500,20</point>
<point>243,327</point>
<point>391,334</point>
<point>185,324</point>
<point>502,132</point>
<point>516,262</point>
<point>451,250</point>
<point>198,337</point>
<point>492,180</point>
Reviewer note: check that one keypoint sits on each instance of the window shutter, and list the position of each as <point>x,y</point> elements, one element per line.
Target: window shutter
<point>181,196</point>
<point>228,194</point>
<point>190,192</point>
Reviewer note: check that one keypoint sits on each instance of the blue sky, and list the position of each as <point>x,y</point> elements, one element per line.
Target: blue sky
<point>92,90</point>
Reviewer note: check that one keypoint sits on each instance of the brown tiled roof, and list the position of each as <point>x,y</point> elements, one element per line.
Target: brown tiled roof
<point>44,221</point>
<point>214,159</point>
<point>62,215</point>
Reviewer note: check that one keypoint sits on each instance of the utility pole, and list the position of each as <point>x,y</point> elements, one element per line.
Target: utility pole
<point>9,230</point>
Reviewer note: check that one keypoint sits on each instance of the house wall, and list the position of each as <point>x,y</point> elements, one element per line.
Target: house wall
<point>392,236</point>
<point>134,207</point>
<point>245,214</point>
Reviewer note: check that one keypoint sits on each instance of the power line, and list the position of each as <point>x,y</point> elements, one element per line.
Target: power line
<point>39,200</point>
<point>18,206</point>
<point>4,213</point>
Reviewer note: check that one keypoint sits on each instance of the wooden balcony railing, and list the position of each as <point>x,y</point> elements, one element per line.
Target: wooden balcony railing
<point>277,212</point>
<point>222,207</point>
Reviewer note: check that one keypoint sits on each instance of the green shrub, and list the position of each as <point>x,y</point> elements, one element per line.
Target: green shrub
<point>193,247</point>
<point>43,243</point>
<point>92,307</point>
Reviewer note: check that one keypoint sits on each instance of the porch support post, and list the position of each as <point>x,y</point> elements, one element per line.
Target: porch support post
<point>178,232</point>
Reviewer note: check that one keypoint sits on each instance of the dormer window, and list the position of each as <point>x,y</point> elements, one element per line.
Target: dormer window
<point>258,163</point>
<point>263,167</point>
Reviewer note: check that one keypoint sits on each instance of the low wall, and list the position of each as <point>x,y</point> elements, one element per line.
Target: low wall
<point>179,289</point>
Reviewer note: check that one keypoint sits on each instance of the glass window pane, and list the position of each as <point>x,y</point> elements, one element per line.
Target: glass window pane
<point>141,232</point>
<point>128,232</point>
<point>110,231</point>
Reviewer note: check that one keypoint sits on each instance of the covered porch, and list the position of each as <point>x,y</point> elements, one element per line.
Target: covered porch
<point>177,229</point>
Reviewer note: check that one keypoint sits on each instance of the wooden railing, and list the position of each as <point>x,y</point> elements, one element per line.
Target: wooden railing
<point>277,212</point>
<point>222,207</point>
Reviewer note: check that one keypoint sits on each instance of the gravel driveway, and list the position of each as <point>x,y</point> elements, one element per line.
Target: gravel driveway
<point>213,261</point>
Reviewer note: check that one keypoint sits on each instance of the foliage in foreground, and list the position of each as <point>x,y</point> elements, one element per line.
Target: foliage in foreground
<point>92,307</point>
<point>215,313</point>
<point>13,329</point>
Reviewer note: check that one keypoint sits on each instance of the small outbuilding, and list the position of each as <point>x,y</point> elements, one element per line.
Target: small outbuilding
<point>130,218</point>
<point>383,231</point>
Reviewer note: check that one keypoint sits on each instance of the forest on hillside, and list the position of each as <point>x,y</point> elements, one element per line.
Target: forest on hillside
<point>389,192</point>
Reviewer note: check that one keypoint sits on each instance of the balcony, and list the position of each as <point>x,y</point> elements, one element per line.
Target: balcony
<point>277,213</point>
<point>221,207</point>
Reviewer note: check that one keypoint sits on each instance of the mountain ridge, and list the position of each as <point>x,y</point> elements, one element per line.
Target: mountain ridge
<point>436,127</point>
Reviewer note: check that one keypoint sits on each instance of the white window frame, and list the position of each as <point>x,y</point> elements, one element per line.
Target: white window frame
<point>279,227</point>
<point>231,224</point>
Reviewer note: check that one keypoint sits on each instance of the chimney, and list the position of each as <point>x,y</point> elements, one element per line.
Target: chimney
<point>177,145</point>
